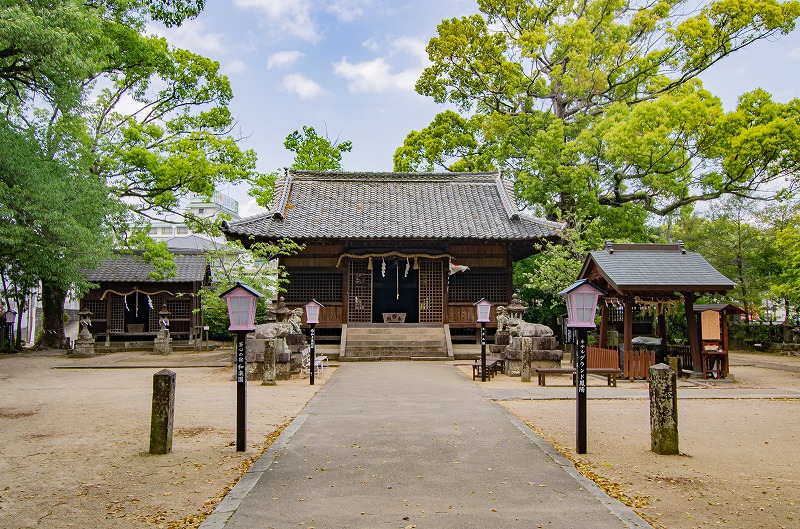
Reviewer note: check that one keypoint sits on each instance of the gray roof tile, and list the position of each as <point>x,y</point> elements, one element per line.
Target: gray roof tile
<point>132,268</point>
<point>657,267</point>
<point>326,205</point>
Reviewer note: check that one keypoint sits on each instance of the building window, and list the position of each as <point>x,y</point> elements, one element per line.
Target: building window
<point>166,231</point>
<point>324,287</point>
<point>471,286</point>
<point>183,230</point>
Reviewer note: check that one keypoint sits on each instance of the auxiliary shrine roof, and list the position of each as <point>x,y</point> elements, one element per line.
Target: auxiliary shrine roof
<point>132,268</point>
<point>652,270</point>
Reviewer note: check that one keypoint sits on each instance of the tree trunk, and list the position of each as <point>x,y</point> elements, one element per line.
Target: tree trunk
<point>53,336</point>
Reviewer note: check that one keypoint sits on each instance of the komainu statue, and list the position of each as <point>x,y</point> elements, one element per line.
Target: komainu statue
<point>526,329</point>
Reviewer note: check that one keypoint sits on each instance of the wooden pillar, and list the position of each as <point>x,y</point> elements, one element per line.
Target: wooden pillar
<point>346,292</point>
<point>627,334</point>
<point>693,333</point>
<point>603,325</point>
<point>723,316</point>
<point>662,326</point>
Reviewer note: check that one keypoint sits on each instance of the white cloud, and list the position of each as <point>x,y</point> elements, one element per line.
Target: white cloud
<point>372,44</point>
<point>414,46</point>
<point>250,207</point>
<point>377,75</point>
<point>193,36</point>
<point>793,54</point>
<point>291,16</point>
<point>284,58</point>
<point>302,86</point>
<point>348,10</point>
<point>235,67</point>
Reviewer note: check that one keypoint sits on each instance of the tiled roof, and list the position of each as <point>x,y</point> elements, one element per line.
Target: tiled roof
<point>190,244</point>
<point>131,268</point>
<point>655,267</point>
<point>326,205</point>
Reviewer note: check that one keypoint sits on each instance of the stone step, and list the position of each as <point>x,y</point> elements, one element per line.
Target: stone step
<point>421,342</point>
<point>396,350</point>
<point>395,341</point>
<point>396,331</point>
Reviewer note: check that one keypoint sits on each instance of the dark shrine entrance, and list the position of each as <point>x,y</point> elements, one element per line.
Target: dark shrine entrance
<point>396,291</point>
<point>137,313</point>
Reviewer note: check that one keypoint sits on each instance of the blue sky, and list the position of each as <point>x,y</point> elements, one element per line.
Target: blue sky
<point>348,68</point>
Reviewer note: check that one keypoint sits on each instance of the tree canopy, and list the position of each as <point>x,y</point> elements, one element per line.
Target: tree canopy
<point>596,105</point>
<point>128,125</point>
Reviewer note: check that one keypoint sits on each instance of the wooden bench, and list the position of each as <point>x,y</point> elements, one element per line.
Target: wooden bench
<point>611,374</point>
<point>491,368</point>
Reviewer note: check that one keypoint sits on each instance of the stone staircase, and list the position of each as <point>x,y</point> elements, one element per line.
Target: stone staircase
<point>395,341</point>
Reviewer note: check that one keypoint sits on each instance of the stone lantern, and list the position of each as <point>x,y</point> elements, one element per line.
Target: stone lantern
<point>163,343</point>
<point>280,311</point>
<point>84,344</point>
<point>515,309</point>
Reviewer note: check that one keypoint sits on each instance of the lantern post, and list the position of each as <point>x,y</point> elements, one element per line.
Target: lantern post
<point>484,309</point>
<point>241,300</point>
<point>581,299</point>
<point>312,318</point>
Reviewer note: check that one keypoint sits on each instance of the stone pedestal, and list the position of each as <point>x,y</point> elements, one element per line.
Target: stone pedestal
<point>84,346</point>
<point>502,338</point>
<point>254,352</point>
<point>163,343</point>
<point>526,353</point>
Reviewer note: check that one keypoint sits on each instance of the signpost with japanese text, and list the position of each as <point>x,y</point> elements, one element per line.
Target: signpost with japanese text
<point>241,391</point>
<point>581,300</point>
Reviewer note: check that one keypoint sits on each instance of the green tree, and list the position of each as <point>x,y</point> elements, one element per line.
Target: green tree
<point>787,283</point>
<point>312,152</point>
<point>56,221</point>
<point>48,49</point>
<point>174,136</point>
<point>730,239</point>
<point>596,105</point>
<point>177,141</point>
<point>315,153</point>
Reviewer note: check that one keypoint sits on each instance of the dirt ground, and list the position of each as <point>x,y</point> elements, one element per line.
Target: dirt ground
<point>75,442</point>
<point>739,465</point>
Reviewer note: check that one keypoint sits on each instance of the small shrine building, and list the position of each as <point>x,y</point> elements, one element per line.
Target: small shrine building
<point>653,278</point>
<point>126,303</point>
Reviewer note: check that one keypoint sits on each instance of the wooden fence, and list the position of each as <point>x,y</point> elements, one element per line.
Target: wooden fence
<point>597,358</point>
<point>637,364</point>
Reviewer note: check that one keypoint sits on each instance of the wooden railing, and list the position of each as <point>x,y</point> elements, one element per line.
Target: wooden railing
<point>684,353</point>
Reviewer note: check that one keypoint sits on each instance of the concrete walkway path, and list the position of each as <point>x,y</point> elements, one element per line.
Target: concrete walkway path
<point>412,445</point>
